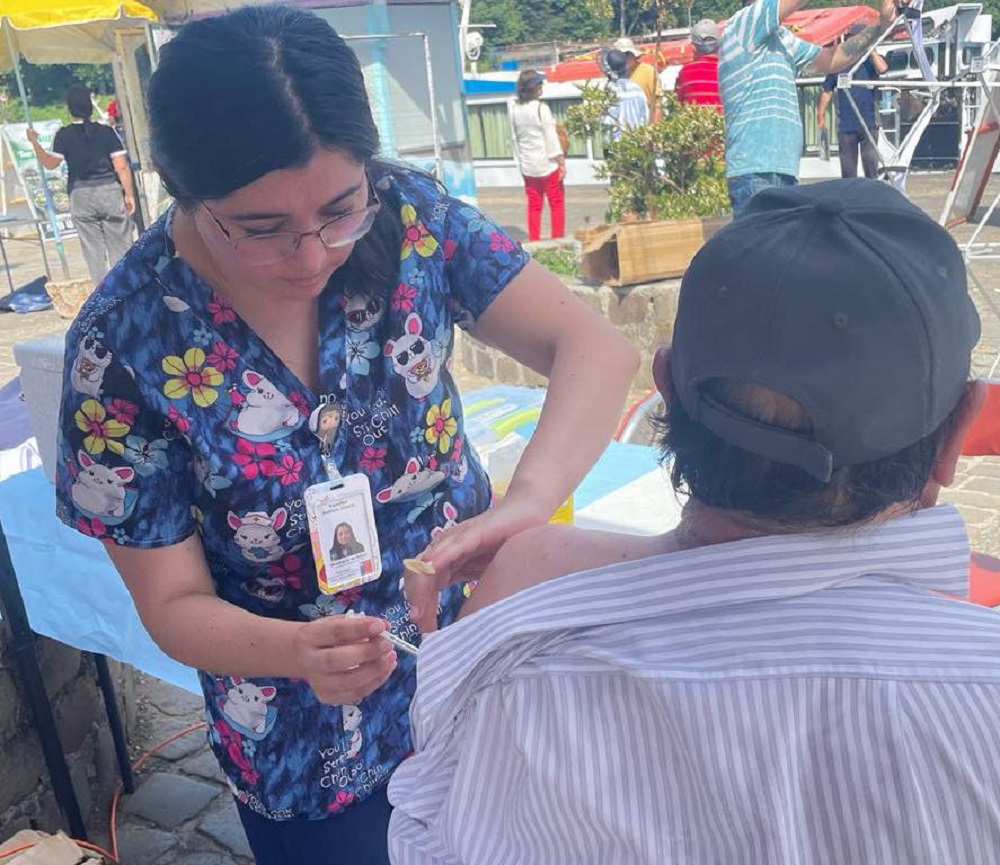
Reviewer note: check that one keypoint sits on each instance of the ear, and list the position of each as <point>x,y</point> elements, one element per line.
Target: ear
<point>251,378</point>
<point>449,511</point>
<point>943,473</point>
<point>268,692</point>
<point>125,475</point>
<point>413,324</point>
<point>278,520</point>
<point>384,496</point>
<point>412,466</point>
<point>85,461</point>
<point>234,521</point>
<point>389,348</point>
<point>661,373</point>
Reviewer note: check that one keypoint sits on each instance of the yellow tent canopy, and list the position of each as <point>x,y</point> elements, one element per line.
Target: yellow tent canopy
<point>67,31</point>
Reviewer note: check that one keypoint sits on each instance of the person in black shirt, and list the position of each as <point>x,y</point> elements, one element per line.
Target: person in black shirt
<point>851,136</point>
<point>101,198</point>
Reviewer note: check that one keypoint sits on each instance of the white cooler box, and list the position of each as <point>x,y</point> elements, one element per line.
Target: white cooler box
<point>41,362</point>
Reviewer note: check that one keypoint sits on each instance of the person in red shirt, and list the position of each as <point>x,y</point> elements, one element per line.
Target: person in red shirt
<point>698,81</point>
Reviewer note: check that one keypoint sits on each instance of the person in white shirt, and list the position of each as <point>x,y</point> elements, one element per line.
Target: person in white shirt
<point>787,676</point>
<point>539,154</point>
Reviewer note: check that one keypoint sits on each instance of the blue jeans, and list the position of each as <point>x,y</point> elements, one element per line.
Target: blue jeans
<point>356,836</point>
<point>746,186</point>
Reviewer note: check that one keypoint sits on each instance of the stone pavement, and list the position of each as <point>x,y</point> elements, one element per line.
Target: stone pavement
<point>182,813</point>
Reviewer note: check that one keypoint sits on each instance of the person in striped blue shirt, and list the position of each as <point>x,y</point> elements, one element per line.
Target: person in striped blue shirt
<point>758,60</point>
<point>631,108</point>
<point>783,679</point>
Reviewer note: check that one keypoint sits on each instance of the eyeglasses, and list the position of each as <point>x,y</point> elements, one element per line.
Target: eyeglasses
<point>275,246</point>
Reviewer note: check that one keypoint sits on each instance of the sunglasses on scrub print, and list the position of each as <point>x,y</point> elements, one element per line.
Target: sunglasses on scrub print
<point>275,246</point>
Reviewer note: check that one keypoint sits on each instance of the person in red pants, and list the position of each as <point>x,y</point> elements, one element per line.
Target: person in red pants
<point>539,154</point>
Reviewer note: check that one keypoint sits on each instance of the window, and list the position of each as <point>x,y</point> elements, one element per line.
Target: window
<point>489,132</point>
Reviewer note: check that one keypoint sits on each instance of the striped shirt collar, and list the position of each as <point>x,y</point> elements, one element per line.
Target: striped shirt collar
<point>927,550</point>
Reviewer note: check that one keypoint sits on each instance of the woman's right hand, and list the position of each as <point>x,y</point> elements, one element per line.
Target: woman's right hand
<point>343,658</point>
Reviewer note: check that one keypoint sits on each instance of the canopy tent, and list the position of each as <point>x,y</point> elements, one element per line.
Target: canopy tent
<point>63,31</point>
<point>819,26</point>
<point>66,31</point>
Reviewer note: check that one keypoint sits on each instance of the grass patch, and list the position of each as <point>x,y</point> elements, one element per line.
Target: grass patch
<point>561,260</point>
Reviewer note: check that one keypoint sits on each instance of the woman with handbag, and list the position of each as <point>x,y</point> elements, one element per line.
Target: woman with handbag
<point>540,154</point>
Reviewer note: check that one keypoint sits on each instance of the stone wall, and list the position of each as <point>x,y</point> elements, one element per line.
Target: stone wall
<point>644,313</point>
<point>26,797</point>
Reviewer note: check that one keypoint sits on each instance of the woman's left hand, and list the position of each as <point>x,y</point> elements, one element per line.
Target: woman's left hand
<point>463,552</point>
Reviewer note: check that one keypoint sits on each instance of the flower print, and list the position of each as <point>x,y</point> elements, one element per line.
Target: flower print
<point>251,457</point>
<point>300,402</point>
<point>231,741</point>
<point>101,430</point>
<point>148,457</point>
<point>450,245</point>
<point>222,312</point>
<point>249,748</point>
<point>202,335</point>
<point>93,527</point>
<point>416,237</point>
<point>189,375</point>
<point>360,352</point>
<point>456,451</point>
<point>123,410</point>
<point>289,568</point>
<point>119,536</point>
<point>341,800</point>
<point>402,298</point>
<point>178,421</point>
<point>287,469</point>
<point>95,333</point>
<point>417,436</point>
<point>222,357</point>
<point>499,242</point>
<point>373,457</point>
<point>441,426</point>
<point>418,278</point>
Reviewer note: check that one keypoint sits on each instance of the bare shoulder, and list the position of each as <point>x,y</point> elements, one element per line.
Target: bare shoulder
<point>544,553</point>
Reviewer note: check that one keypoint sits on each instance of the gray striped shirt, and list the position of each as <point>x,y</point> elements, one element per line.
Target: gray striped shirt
<point>786,699</point>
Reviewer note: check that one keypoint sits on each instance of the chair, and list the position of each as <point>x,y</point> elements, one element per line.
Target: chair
<point>983,439</point>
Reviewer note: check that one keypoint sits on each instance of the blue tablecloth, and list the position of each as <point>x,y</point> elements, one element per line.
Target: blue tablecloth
<point>74,595</point>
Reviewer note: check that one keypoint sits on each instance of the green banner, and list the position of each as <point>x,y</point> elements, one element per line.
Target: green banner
<point>25,196</point>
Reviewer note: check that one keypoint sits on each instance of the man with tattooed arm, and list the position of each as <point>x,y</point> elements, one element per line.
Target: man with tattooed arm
<point>758,60</point>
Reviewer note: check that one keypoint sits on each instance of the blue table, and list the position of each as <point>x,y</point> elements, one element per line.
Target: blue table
<point>73,594</point>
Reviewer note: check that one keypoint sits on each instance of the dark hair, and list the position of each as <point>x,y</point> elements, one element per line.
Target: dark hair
<point>724,476</point>
<point>80,106</point>
<point>528,82</point>
<point>78,102</point>
<point>239,95</point>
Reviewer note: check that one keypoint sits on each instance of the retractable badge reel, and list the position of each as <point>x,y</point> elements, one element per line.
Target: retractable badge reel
<point>341,516</point>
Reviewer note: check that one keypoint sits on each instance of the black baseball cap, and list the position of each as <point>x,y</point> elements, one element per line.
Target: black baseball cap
<point>845,297</point>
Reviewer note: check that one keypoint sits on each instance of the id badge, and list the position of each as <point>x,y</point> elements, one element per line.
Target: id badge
<point>343,533</point>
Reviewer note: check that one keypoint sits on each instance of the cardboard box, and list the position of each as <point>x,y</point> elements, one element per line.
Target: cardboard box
<point>631,252</point>
<point>41,362</point>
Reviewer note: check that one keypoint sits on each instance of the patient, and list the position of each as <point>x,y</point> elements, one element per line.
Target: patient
<point>780,678</point>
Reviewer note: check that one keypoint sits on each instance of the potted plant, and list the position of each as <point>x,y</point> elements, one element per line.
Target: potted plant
<point>666,188</point>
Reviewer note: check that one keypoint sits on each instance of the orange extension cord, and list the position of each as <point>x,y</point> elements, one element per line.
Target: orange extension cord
<point>112,856</point>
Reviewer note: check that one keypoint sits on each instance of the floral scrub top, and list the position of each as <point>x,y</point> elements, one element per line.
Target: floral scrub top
<point>177,418</point>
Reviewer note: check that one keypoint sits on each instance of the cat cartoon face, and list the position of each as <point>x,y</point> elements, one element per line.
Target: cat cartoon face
<point>363,312</point>
<point>100,490</point>
<point>414,481</point>
<point>92,359</point>
<point>416,358</point>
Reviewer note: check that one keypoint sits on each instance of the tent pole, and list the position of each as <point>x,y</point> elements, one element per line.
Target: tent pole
<point>50,208</point>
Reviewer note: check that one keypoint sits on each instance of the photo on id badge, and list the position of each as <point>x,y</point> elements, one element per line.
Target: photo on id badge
<point>343,533</point>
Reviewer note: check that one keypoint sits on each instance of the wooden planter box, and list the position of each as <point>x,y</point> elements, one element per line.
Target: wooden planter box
<point>631,252</point>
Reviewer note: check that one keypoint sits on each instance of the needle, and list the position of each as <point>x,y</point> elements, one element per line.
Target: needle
<point>400,643</point>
